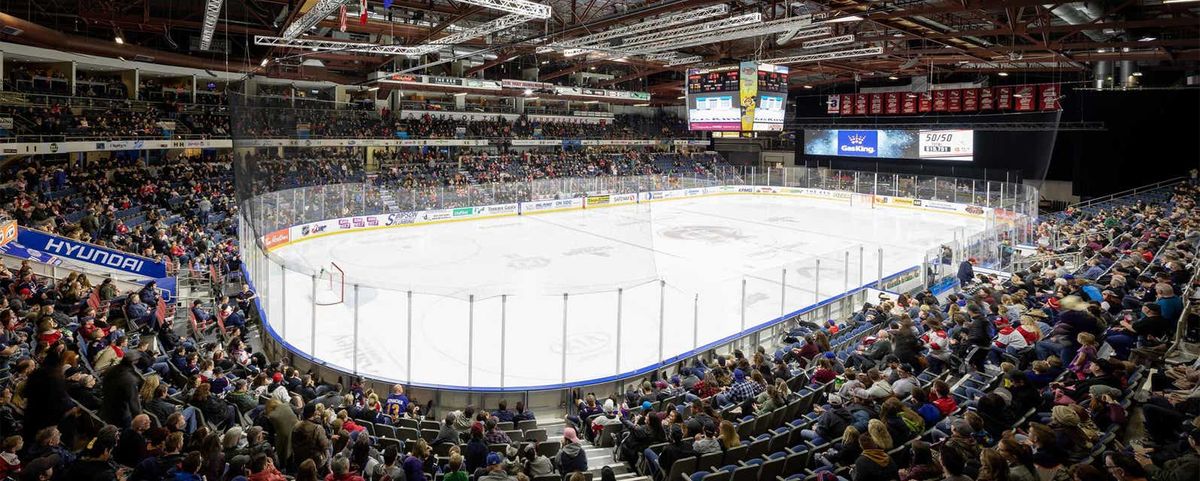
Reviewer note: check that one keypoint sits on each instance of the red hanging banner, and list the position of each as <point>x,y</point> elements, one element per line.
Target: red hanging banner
<point>847,105</point>
<point>891,103</point>
<point>362,9</point>
<point>987,101</point>
<point>939,101</point>
<point>876,104</point>
<point>970,100</point>
<point>925,103</point>
<point>1024,98</point>
<point>1003,98</point>
<point>860,103</point>
<point>1049,97</point>
<point>908,104</point>
<point>954,100</point>
<point>342,18</point>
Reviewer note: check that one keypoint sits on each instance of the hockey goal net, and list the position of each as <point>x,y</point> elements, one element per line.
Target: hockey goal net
<point>865,201</point>
<point>331,286</point>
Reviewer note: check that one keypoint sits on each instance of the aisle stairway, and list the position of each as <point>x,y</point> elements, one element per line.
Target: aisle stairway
<point>598,457</point>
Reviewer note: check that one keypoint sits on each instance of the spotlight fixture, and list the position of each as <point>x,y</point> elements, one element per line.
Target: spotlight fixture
<point>808,86</point>
<point>1136,74</point>
<point>1003,74</point>
<point>119,40</point>
<point>893,77</point>
<point>264,63</point>
<point>528,92</point>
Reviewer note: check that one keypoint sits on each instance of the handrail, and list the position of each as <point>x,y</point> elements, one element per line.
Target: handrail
<point>1123,193</point>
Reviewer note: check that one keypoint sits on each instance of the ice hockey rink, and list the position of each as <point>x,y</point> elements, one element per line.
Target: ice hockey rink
<point>488,297</point>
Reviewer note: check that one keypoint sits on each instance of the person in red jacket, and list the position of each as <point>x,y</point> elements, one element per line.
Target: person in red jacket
<point>262,468</point>
<point>940,396</point>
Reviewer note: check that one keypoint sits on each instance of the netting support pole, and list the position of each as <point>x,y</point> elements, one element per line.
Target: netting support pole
<point>620,295</point>
<point>408,352</point>
<point>283,297</point>
<point>817,284</point>
<point>846,272</point>
<point>879,283</point>
<point>313,339</point>
<point>564,340</point>
<point>743,305</point>
<point>783,292</point>
<point>696,322</point>
<point>503,332</point>
<point>662,316</point>
<point>861,252</point>
<point>470,339</point>
<point>356,329</point>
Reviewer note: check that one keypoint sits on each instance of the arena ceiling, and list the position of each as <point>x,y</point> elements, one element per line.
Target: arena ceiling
<point>951,40</point>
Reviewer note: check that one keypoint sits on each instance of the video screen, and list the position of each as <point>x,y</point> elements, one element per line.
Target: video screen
<point>956,145</point>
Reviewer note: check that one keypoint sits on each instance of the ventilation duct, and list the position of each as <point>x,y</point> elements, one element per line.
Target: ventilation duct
<point>1080,13</point>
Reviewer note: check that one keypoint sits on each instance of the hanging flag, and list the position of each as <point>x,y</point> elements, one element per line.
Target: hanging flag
<point>342,18</point>
<point>362,8</point>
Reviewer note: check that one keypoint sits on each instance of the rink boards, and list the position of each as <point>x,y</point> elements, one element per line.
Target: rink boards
<point>325,228</point>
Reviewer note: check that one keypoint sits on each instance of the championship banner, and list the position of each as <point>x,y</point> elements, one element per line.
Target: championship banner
<point>970,100</point>
<point>90,254</point>
<point>1024,97</point>
<point>892,103</point>
<point>1050,94</point>
<point>954,100</point>
<point>876,104</point>
<point>939,101</point>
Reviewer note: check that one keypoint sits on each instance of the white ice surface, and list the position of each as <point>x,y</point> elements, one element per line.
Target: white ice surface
<point>517,268</point>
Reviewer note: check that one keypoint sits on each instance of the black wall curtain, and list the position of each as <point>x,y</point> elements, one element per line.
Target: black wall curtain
<point>1150,135</point>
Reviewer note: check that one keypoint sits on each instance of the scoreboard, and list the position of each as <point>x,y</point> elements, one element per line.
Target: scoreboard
<point>745,97</point>
<point>713,81</point>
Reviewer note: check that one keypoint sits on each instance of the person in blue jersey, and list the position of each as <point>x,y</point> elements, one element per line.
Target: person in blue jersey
<point>396,404</point>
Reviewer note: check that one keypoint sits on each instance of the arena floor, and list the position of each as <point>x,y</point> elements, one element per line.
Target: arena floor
<point>702,247</point>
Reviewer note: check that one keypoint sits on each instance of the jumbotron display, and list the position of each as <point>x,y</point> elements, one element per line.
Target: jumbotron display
<point>746,97</point>
<point>957,145</point>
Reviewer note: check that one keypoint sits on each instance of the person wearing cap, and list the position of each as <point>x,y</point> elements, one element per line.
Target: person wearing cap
<point>308,439</point>
<point>495,469</point>
<point>742,388</point>
<point>571,457</point>
<point>475,454</point>
<point>962,439</point>
<point>831,421</point>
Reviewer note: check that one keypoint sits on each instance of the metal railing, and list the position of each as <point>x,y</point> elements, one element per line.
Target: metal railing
<point>1128,192</point>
